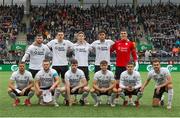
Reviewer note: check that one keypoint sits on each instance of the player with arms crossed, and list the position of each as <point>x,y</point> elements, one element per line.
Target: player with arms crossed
<point>130,84</point>
<point>36,54</point>
<point>163,80</point>
<point>123,49</point>
<point>102,49</point>
<point>104,84</point>
<point>75,83</point>
<point>21,84</point>
<point>60,47</point>
<point>47,80</point>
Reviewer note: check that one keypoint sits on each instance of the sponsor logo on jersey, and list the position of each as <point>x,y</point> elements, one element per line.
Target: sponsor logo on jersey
<point>59,48</point>
<point>81,49</point>
<point>39,52</point>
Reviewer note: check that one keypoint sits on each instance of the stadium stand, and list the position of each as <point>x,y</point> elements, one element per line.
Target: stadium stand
<point>155,28</point>
<point>10,26</point>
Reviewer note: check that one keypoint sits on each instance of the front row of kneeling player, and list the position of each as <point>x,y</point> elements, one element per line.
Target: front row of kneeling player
<point>47,84</point>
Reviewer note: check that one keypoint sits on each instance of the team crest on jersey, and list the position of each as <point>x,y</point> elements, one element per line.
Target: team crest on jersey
<point>49,74</point>
<point>126,43</point>
<point>64,44</point>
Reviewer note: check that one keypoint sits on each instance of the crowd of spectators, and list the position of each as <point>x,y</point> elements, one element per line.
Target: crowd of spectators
<point>72,19</point>
<point>10,26</point>
<point>160,22</point>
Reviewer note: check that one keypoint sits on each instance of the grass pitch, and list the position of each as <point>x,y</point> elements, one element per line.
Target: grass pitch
<point>145,110</point>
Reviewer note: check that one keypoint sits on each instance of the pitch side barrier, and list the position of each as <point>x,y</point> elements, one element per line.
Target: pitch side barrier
<point>11,65</point>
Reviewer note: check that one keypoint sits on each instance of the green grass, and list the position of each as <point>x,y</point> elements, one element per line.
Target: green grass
<point>145,110</point>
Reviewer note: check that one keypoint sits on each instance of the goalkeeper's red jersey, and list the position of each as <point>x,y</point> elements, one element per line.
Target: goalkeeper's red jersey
<point>124,49</point>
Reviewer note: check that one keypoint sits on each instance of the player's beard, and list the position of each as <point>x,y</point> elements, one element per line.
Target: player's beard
<point>74,70</point>
<point>46,70</point>
<point>22,71</point>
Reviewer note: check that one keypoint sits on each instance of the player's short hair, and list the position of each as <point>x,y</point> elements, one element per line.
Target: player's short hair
<point>103,62</point>
<point>123,30</point>
<point>59,31</point>
<point>74,61</point>
<point>39,35</point>
<point>21,62</point>
<point>46,60</point>
<point>155,60</point>
<point>81,32</point>
<point>131,63</point>
<point>102,31</point>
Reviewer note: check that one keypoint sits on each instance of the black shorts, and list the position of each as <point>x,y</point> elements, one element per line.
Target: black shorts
<point>61,70</point>
<point>25,93</point>
<point>33,72</point>
<point>97,68</point>
<point>52,92</point>
<point>75,92</point>
<point>86,71</point>
<point>161,91</point>
<point>106,93</point>
<point>134,92</point>
<point>118,72</point>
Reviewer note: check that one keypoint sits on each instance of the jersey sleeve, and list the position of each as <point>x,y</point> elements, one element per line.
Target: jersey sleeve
<point>30,76</point>
<point>55,74</point>
<point>50,44</point>
<point>112,76</point>
<point>166,73</point>
<point>95,76</point>
<point>138,82</point>
<point>47,51</point>
<point>27,54</point>
<point>37,77</point>
<point>13,76</point>
<point>113,47</point>
<point>82,74</point>
<point>149,77</point>
<point>70,44</point>
<point>122,81</point>
<point>73,47</point>
<point>89,47</point>
<point>111,42</point>
<point>93,44</point>
<point>66,76</point>
<point>28,51</point>
<point>133,51</point>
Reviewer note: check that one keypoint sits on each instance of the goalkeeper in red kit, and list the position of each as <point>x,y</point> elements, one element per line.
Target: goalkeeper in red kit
<point>124,48</point>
